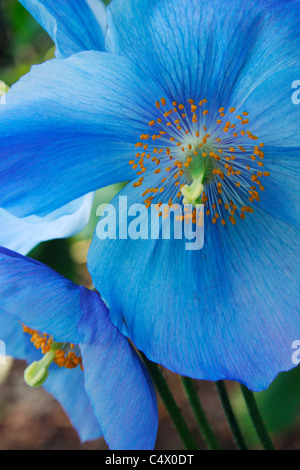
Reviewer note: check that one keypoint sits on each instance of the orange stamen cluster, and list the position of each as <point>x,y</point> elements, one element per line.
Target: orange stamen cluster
<point>183,137</point>
<point>67,356</point>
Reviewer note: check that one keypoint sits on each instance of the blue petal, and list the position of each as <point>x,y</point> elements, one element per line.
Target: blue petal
<point>39,297</point>
<point>67,386</point>
<point>120,390</point>
<point>69,127</point>
<point>74,26</point>
<point>11,333</point>
<point>274,117</point>
<point>205,49</point>
<point>23,234</point>
<point>228,311</point>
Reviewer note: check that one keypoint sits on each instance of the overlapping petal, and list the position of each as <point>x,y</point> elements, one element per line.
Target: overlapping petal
<point>69,127</point>
<point>74,26</point>
<point>226,311</point>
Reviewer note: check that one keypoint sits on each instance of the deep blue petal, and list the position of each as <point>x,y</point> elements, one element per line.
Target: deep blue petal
<point>23,234</point>
<point>39,297</point>
<point>11,333</point>
<point>69,127</point>
<point>205,49</point>
<point>227,311</point>
<point>119,387</point>
<point>74,26</point>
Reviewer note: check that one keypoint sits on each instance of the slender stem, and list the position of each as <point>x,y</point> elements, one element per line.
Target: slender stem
<point>171,405</point>
<point>192,395</point>
<point>257,419</point>
<point>229,413</point>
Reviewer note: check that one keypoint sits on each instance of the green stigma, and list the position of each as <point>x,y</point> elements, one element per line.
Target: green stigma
<point>36,374</point>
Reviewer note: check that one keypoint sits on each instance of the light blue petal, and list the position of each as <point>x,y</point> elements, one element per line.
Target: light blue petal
<point>74,26</point>
<point>11,333</point>
<point>70,127</point>
<point>39,297</point>
<point>228,311</point>
<point>119,387</point>
<point>23,234</point>
<point>205,49</point>
<point>67,386</point>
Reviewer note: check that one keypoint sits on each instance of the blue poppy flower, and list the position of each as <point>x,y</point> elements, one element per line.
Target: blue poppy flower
<point>64,327</point>
<point>74,27</point>
<point>197,97</point>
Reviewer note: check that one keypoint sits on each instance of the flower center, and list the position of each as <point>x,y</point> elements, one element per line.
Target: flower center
<point>63,354</point>
<point>198,156</point>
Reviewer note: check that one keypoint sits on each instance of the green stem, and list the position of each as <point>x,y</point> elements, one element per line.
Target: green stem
<point>257,419</point>
<point>192,395</point>
<point>232,421</point>
<point>171,405</point>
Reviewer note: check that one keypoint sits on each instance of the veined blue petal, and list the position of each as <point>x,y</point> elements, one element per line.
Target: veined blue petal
<point>70,127</point>
<point>11,333</point>
<point>23,234</point>
<point>122,395</point>
<point>67,387</point>
<point>205,49</point>
<point>227,311</point>
<point>74,26</point>
<point>281,195</point>
<point>39,297</point>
